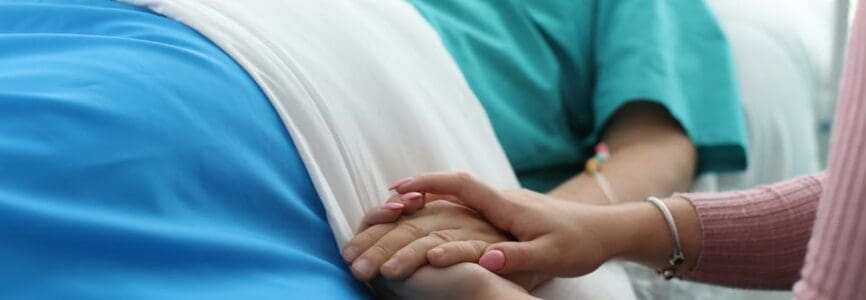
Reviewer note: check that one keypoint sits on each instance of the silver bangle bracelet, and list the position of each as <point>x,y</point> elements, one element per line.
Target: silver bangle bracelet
<point>677,257</point>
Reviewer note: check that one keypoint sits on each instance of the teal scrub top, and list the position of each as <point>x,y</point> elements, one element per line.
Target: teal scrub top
<point>550,74</point>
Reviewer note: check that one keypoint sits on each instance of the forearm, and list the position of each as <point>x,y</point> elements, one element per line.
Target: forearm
<point>650,156</point>
<point>752,238</point>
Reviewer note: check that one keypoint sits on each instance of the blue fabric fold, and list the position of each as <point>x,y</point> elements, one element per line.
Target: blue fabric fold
<point>139,161</point>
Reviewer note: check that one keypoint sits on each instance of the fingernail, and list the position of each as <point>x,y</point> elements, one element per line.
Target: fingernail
<point>391,264</point>
<point>394,206</point>
<point>398,183</point>
<point>411,196</point>
<point>350,253</point>
<point>436,252</point>
<point>363,267</point>
<point>492,260</point>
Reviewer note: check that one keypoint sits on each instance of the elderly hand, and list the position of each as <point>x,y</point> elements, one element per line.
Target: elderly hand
<point>397,249</point>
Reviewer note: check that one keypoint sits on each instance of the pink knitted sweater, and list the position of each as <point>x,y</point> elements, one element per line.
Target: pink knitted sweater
<point>781,235</point>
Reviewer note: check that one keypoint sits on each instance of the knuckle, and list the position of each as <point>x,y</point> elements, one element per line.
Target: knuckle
<point>377,252</point>
<point>406,254</point>
<point>520,252</point>
<point>363,236</point>
<point>372,233</point>
<point>463,249</point>
<point>413,229</point>
<point>442,236</point>
<point>478,247</point>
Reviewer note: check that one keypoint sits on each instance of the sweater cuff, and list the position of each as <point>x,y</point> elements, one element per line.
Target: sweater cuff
<point>755,238</point>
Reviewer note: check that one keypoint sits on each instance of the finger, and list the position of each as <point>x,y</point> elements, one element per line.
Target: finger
<point>511,257</point>
<point>471,193</point>
<point>367,265</point>
<point>431,197</point>
<point>392,210</point>
<point>460,184</point>
<point>364,240</point>
<point>387,213</point>
<point>410,258</point>
<point>412,201</point>
<point>456,252</point>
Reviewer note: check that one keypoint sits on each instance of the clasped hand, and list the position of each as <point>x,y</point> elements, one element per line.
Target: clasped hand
<point>554,236</point>
<point>395,240</point>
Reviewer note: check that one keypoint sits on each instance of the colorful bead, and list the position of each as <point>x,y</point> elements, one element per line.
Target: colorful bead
<point>601,156</point>
<point>592,165</point>
<point>601,148</point>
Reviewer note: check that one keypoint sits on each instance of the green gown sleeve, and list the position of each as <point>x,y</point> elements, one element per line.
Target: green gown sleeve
<point>672,53</point>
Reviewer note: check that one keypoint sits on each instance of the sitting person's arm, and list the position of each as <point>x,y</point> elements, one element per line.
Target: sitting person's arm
<point>650,155</point>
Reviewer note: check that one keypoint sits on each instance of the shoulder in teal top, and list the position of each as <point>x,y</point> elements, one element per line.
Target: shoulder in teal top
<point>551,73</point>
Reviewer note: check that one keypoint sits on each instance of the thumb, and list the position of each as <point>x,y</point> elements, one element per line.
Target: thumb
<point>512,257</point>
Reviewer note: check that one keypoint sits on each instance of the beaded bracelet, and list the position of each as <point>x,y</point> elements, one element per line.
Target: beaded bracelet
<point>593,166</point>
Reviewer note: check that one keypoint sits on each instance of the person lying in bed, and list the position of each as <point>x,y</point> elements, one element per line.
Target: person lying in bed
<point>650,79</point>
<point>139,160</point>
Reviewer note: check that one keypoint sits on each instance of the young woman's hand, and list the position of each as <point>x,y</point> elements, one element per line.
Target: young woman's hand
<point>556,236</point>
<point>560,237</point>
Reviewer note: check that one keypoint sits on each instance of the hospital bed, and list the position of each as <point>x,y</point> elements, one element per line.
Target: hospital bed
<point>785,63</point>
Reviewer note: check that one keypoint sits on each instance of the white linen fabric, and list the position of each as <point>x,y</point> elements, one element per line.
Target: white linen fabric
<point>369,94</point>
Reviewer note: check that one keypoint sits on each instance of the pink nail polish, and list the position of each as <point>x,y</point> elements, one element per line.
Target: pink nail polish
<point>394,206</point>
<point>398,183</point>
<point>411,196</point>
<point>492,260</point>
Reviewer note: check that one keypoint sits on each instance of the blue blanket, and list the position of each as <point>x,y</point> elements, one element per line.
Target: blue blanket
<point>138,161</point>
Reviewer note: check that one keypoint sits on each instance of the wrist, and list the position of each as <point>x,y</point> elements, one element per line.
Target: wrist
<point>627,237</point>
<point>645,237</point>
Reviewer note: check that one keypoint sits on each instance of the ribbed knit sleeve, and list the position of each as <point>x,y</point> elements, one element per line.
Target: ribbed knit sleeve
<point>756,238</point>
<point>836,260</point>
